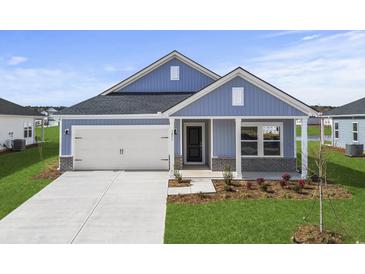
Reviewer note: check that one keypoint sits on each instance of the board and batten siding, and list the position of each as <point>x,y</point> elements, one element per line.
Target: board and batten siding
<point>68,123</point>
<point>159,80</point>
<point>224,144</point>
<point>345,131</point>
<point>257,102</point>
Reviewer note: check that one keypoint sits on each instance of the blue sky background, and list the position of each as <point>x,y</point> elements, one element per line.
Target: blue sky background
<point>65,67</point>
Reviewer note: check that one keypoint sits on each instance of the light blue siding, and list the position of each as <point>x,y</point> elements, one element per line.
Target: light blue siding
<point>345,131</point>
<point>257,103</point>
<point>224,142</point>
<point>68,123</point>
<point>159,80</point>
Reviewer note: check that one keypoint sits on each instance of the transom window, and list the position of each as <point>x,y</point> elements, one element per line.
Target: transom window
<point>261,140</point>
<point>337,132</point>
<point>355,131</point>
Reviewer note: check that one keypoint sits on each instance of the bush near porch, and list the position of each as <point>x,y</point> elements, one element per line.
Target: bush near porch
<point>23,174</point>
<point>269,220</point>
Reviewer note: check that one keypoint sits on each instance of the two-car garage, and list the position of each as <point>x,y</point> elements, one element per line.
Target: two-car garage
<point>122,147</point>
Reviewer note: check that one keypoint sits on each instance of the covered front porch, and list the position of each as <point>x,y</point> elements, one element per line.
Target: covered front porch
<point>203,147</point>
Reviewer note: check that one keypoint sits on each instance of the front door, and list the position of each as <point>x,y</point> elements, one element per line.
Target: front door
<point>194,144</point>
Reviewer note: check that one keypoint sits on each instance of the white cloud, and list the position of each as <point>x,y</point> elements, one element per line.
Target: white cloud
<point>326,70</point>
<point>44,86</point>
<point>15,60</point>
<point>310,37</point>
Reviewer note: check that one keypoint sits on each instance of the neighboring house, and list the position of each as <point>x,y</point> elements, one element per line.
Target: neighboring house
<point>176,113</point>
<point>348,123</point>
<point>16,122</point>
<point>51,120</point>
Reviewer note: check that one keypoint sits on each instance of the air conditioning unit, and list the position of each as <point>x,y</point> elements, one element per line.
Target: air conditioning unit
<point>354,150</point>
<point>8,144</point>
<point>19,144</point>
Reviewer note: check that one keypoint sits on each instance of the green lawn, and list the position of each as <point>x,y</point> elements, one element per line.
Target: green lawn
<point>18,168</point>
<point>271,221</point>
<point>314,130</point>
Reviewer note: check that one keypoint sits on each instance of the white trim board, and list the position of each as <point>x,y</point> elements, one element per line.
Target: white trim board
<point>202,124</point>
<point>252,79</point>
<point>159,63</point>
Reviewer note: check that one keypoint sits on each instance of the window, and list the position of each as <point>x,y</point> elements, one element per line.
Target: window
<point>271,138</point>
<point>174,73</point>
<point>249,141</point>
<point>355,131</point>
<point>262,140</point>
<point>238,96</point>
<point>27,129</point>
<point>337,132</point>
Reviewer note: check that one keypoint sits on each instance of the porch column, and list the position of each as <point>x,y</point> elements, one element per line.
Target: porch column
<point>304,148</point>
<point>171,138</point>
<point>322,131</point>
<point>238,148</point>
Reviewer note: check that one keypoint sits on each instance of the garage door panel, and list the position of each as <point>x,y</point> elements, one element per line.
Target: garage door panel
<point>120,148</point>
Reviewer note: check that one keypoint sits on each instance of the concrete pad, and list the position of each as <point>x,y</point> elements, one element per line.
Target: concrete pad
<point>197,185</point>
<point>92,207</point>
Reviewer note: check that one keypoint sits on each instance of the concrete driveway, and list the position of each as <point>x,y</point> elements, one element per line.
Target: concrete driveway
<point>92,207</point>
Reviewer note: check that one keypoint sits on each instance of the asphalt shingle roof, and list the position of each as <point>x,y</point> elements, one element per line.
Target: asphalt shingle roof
<point>356,107</point>
<point>9,108</point>
<point>127,103</point>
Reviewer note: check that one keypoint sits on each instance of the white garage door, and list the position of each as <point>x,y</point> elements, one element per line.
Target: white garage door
<point>120,147</point>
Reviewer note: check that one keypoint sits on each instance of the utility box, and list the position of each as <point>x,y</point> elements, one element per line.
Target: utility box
<point>355,150</point>
<point>18,145</point>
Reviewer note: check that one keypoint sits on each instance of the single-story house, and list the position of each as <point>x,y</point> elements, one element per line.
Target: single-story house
<point>348,123</point>
<point>177,114</point>
<point>16,122</point>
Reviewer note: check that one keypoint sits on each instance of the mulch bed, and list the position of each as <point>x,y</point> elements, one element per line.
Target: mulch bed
<point>251,190</point>
<point>176,183</point>
<point>310,234</point>
<point>51,172</point>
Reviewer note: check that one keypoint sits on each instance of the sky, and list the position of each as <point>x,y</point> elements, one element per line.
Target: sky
<point>65,67</point>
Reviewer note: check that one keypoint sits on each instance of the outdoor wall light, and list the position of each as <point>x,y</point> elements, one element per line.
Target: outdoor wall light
<point>67,131</point>
<point>175,131</point>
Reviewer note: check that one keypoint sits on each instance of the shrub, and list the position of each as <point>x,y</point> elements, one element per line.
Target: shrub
<point>227,174</point>
<point>249,185</point>
<point>260,181</point>
<point>301,183</point>
<point>283,183</point>
<point>297,188</point>
<point>178,175</point>
<point>286,176</point>
<point>315,178</point>
<point>264,187</point>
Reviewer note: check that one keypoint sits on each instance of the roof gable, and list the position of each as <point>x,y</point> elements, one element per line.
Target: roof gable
<point>278,97</point>
<point>195,76</point>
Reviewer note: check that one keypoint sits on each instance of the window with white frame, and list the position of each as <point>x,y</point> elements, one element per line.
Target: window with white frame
<point>337,131</point>
<point>263,140</point>
<point>355,131</point>
<point>174,73</point>
<point>27,129</point>
<point>237,96</point>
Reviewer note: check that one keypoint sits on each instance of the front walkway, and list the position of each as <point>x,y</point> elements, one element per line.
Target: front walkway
<point>92,207</point>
